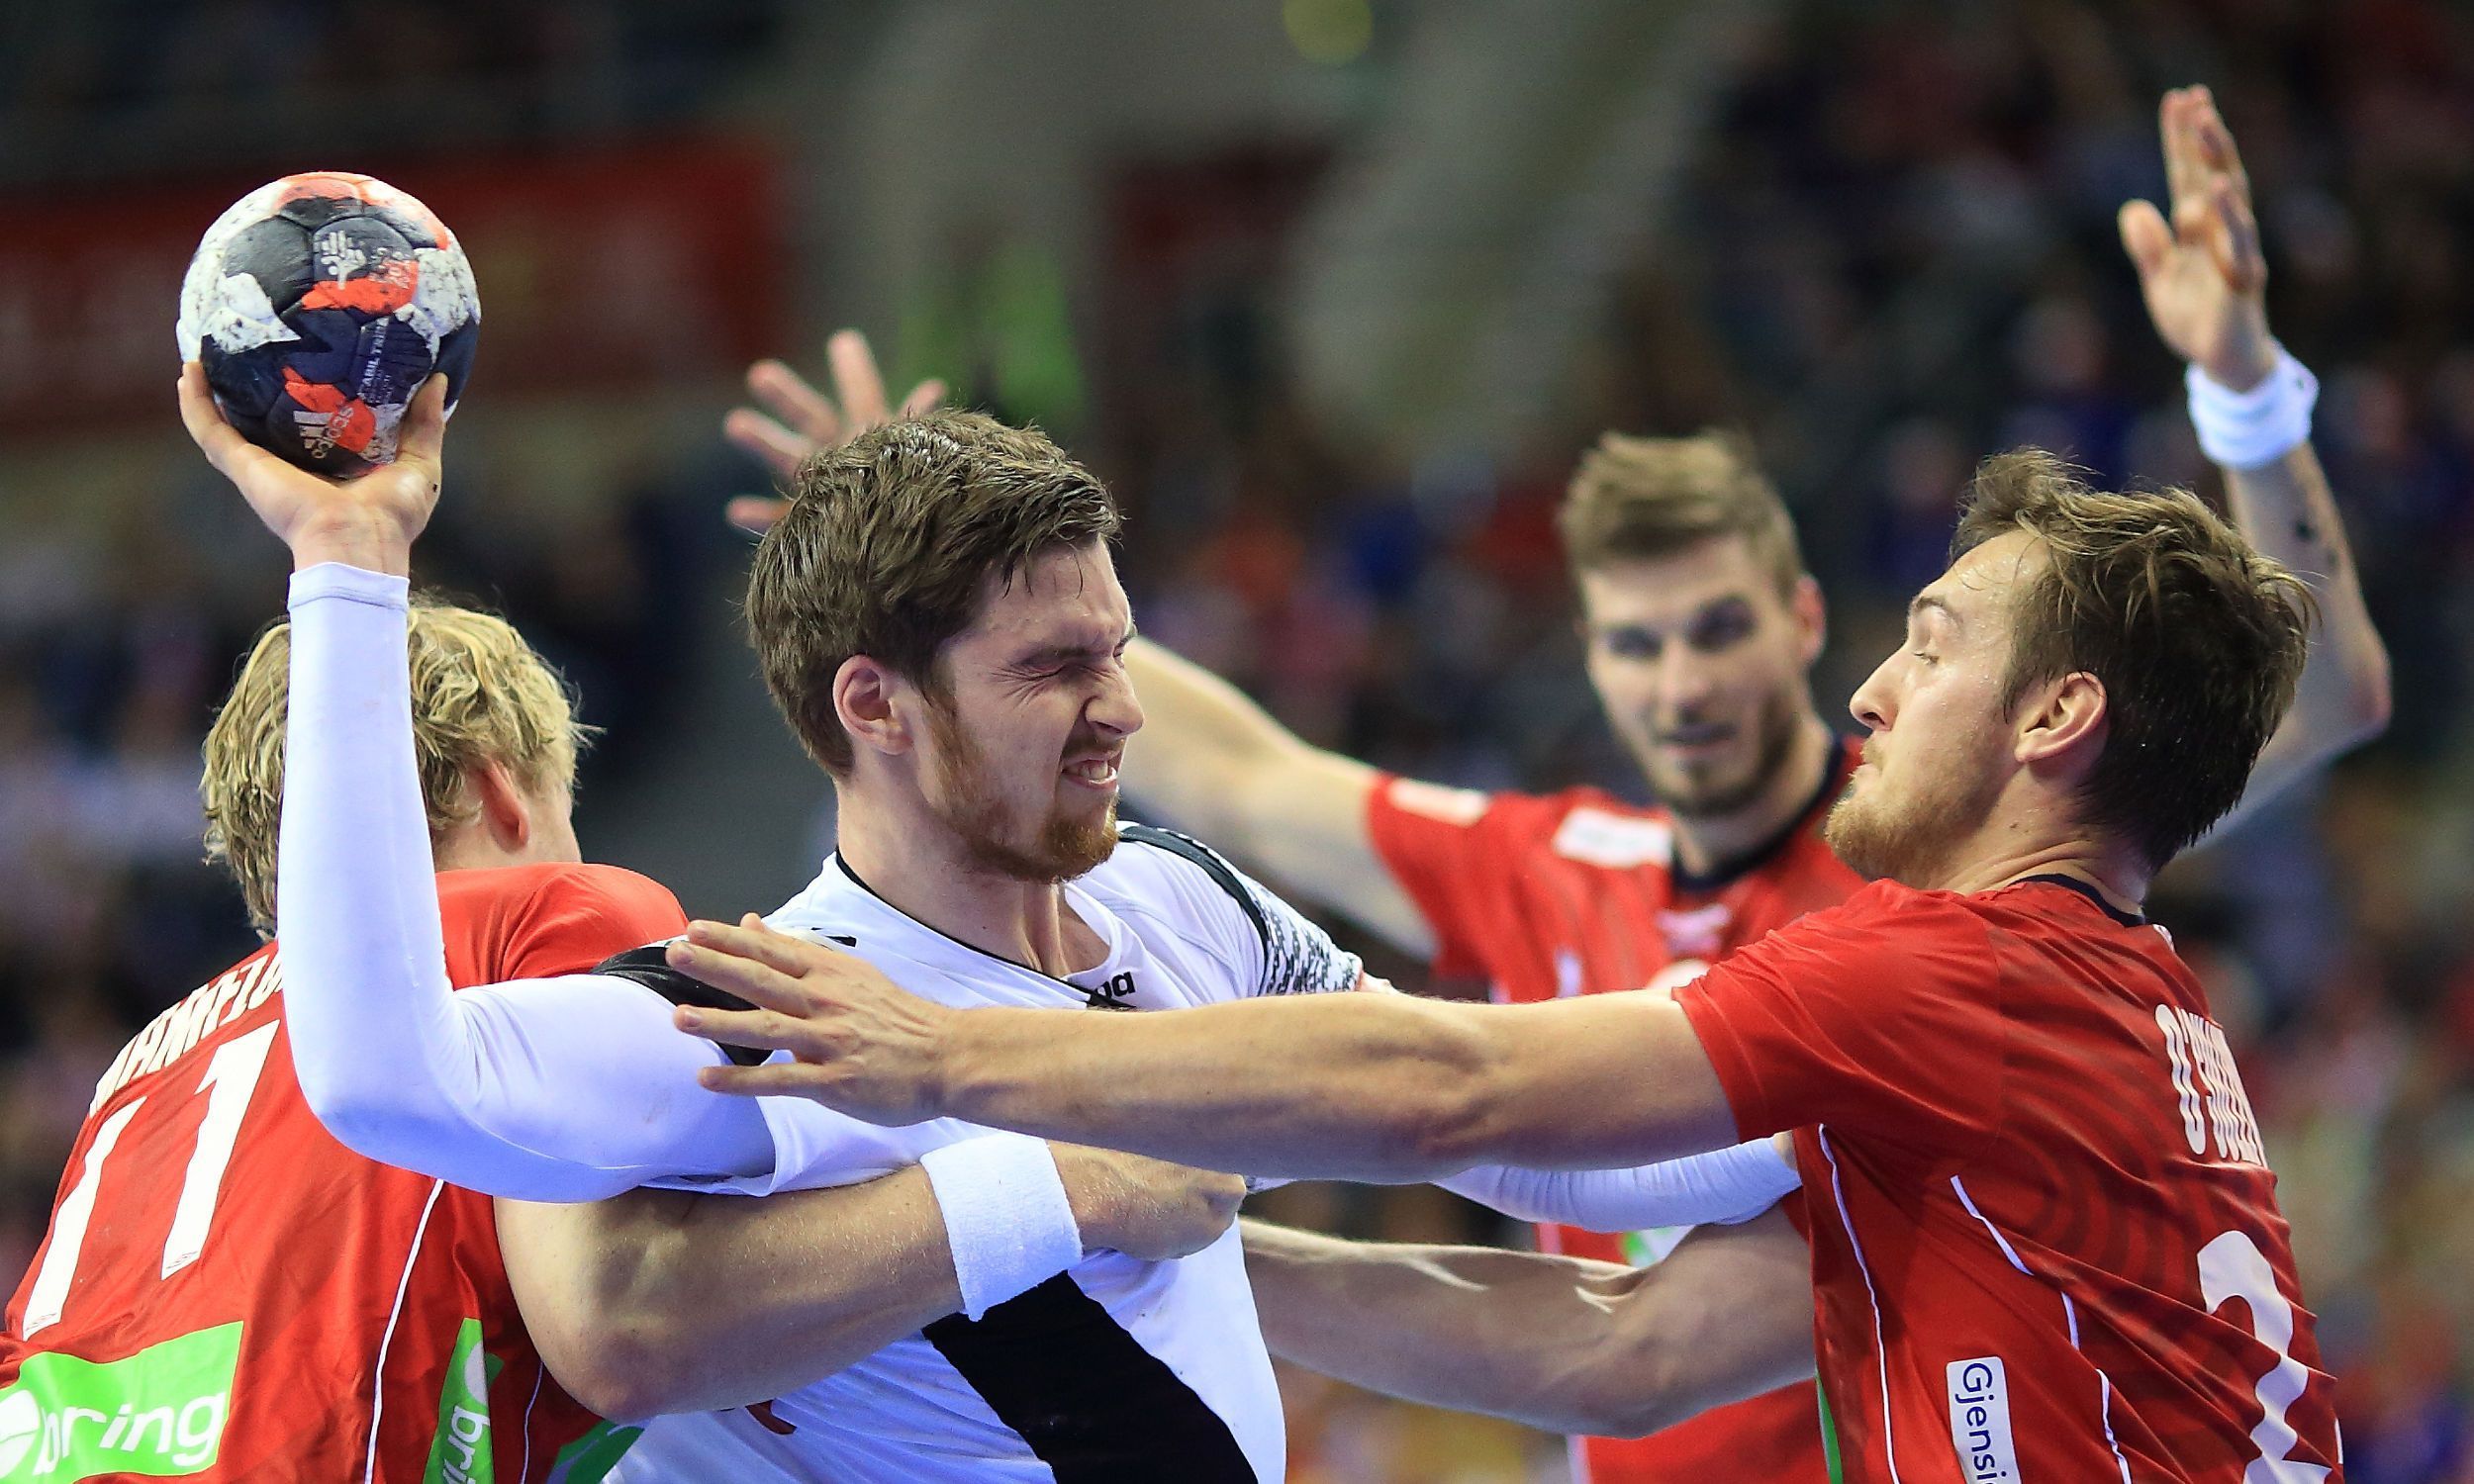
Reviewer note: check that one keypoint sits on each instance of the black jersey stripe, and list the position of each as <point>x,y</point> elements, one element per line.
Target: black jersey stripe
<point>1223,875</point>
<point>648,967</point>
<point>1086,1398</point>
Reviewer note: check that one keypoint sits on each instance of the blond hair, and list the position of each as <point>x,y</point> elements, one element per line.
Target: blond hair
<point>887,544</point>
<point>480,694</point>
<point>1647,497</point>
<point>2198,639</point>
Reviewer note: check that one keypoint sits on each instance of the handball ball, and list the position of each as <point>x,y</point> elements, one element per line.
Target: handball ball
<point>319,306</point>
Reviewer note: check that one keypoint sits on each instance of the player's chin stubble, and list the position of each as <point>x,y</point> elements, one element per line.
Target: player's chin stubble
<point>968,799</point>
<point>1688,800</point>
<point>1910,839</point>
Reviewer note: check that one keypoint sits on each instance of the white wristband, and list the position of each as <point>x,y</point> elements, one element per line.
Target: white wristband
<point>1007,1216</point>
<point>2253,428</point>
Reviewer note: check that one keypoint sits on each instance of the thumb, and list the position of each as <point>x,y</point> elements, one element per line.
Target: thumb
<point>423,437</point>
<point>2144,236</point>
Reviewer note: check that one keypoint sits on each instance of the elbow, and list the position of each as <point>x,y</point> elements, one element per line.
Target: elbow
<point>623,1370</point>
<point>1633,1391</point>
<point>356,1114</point>
<point>1608,1409</point>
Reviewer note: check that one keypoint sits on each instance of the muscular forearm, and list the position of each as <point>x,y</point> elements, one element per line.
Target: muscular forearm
<point>1558,1343</point>
<point>2287,509</point>
<point>2288,512</point>
<point>1351,1086</point>
<point>696,1303</point>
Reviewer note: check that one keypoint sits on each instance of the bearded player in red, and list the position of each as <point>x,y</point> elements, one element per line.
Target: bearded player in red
<point>1702,625</point>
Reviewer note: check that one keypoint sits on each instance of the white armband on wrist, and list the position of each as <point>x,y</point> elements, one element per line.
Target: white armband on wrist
<point>2253,428</point>
<point>1007,1216</point>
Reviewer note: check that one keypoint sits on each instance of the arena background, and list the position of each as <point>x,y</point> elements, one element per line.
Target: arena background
<point>1331,293</point>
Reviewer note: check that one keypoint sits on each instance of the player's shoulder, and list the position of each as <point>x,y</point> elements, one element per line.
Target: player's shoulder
<point>1895,915</point>
<point>1155,869</point>
<point>2043,910</point>
<point>514,921</point>
<point>1512,810</point>
<point>1592,827</point>
<point>549,882</point>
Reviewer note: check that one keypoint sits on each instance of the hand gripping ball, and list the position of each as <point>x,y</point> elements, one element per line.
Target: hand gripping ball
<point>319,306</point>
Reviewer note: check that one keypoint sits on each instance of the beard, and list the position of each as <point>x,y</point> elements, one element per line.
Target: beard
<point>1912,837</point>
<point>1689,796</point>
<point>967,801</point>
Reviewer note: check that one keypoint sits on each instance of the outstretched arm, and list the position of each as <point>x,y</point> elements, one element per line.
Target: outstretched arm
<point>1558,1343</point>
<point>661,1301</point>
<point>2205,280</point>
<point>1350,1086</point>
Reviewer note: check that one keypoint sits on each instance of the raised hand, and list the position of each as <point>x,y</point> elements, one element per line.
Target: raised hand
<point>2202,272</point>
<point>793,420</point>
<point>368,521</point>
<point>862,1043</point>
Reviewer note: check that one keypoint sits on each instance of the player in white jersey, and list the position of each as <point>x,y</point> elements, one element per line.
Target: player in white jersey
<point>976,771</point>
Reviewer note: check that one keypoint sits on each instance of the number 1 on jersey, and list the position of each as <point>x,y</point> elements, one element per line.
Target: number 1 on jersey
<point>231,1077</point>
<point>233,1073</point>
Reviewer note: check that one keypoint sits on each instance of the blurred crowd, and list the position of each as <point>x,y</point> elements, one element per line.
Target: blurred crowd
<point>1894,253</point>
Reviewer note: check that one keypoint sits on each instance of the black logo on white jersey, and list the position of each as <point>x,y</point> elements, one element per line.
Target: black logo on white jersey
<point>1113,994</point>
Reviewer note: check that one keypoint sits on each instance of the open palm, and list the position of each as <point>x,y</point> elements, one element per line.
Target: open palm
<point>2202,271</point>
<point>370,520</point>
<point>795,421</point>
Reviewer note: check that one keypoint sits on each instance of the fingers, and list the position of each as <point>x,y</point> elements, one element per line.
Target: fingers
<point>422,439</point>
<point>756,983</point>
<point>2235,243</point>
<point>2215,141</point>
<point>755,513</point>
<point>2146,237</point>
<point>2181,154</point>
<point>923,398</point>
<point>855,380</point>
<point>775,446</point>
<point>218,439</point>
<point>752,939</point>
<point>770,1080</point>
<point>787,395</point>
<point>766,1028</point>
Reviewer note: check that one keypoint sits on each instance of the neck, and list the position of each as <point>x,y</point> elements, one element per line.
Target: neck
<point>1709,844</point>
<point>914,863</point>
<point>2006,851</point>
<point>470,846</point>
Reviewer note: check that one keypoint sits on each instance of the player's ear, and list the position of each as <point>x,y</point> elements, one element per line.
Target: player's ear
<point>864,695</point>
<point>2061,722</point>
<point>505,811</point>
<point>1812,619</point>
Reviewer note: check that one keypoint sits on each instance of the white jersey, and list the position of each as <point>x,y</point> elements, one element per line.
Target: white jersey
<point>1116,1370</point>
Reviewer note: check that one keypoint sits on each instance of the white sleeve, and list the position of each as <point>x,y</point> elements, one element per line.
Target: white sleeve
<point>1721,1187</point>
<point>565,1090</point>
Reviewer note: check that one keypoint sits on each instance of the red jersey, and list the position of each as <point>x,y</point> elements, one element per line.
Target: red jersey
<point>2046,1245</point>
<point>1578,894</point>
<point>227,1293</point>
